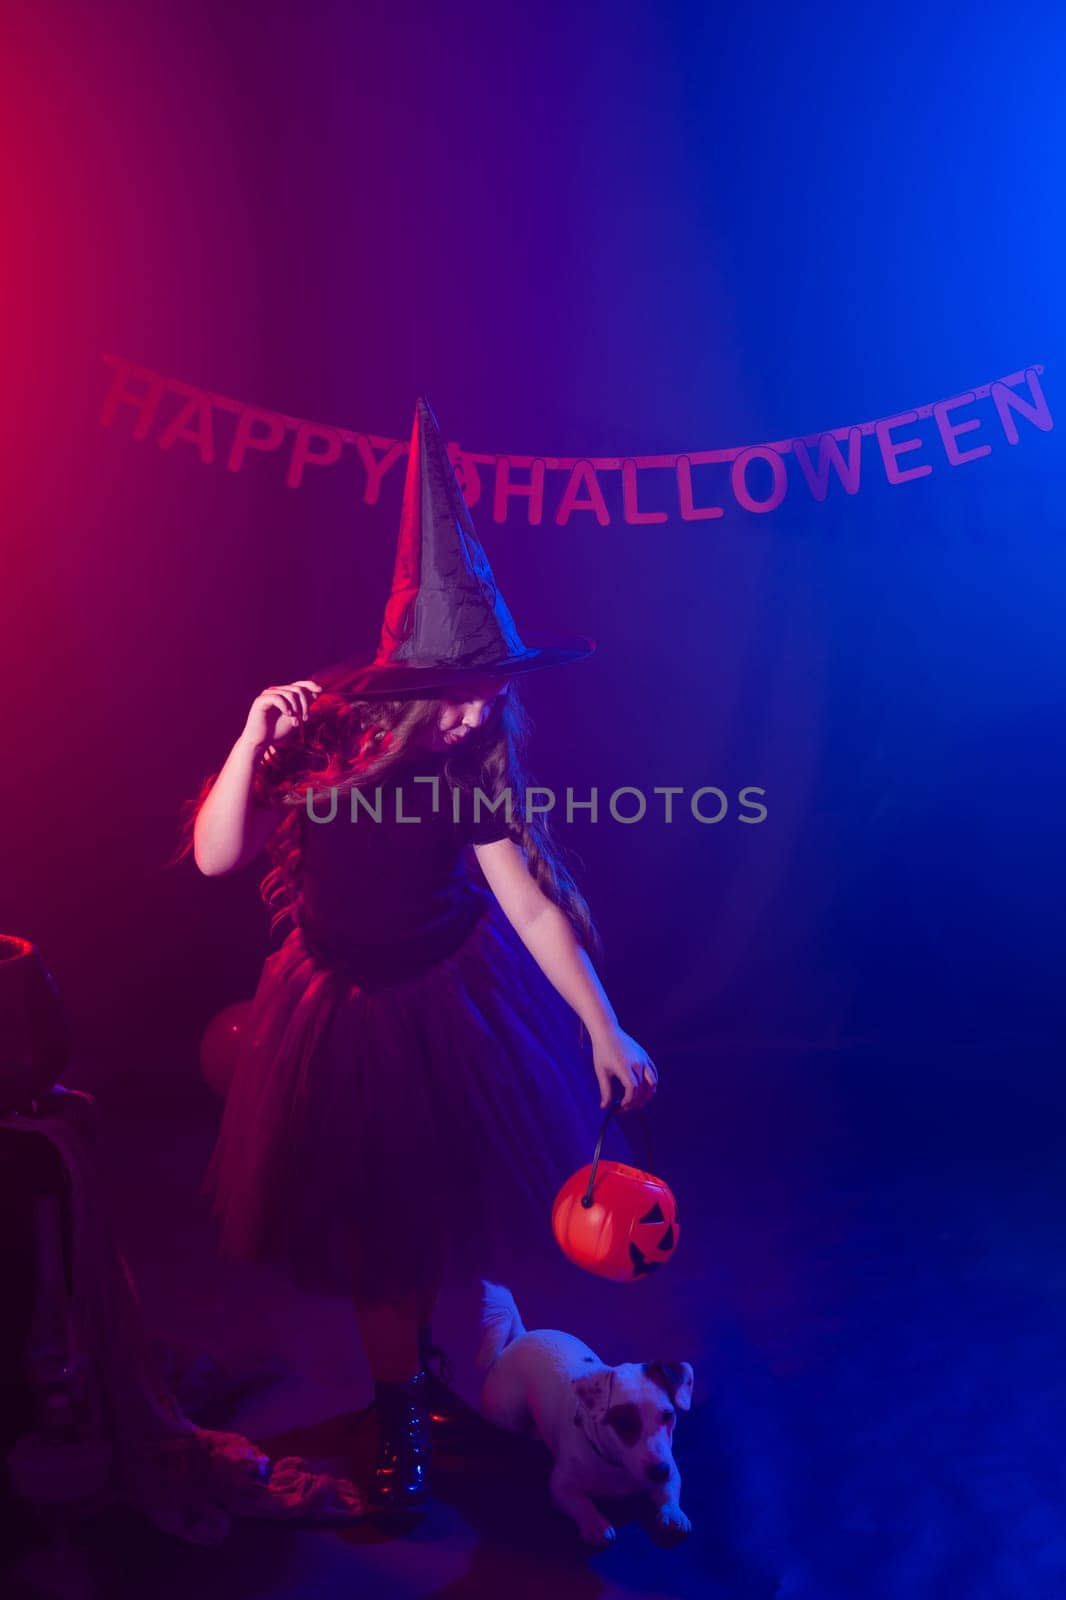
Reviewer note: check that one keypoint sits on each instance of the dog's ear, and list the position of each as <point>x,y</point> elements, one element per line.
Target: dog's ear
<point>675,1377</point>
<point>591,1390</point>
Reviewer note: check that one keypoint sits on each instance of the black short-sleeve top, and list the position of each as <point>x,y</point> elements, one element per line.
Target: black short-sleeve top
<point>387,889</point>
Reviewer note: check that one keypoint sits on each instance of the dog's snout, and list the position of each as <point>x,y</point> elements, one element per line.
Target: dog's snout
<point>659,1472</point>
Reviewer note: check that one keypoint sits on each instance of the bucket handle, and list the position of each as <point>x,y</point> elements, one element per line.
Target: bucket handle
<point>586,1198</point>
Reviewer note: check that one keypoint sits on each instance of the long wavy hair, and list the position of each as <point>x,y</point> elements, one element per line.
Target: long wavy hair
<point>348,742</point>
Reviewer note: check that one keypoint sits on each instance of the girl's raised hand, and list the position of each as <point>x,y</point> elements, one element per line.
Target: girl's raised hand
<point>618,1056</point>
<point>279,711</point>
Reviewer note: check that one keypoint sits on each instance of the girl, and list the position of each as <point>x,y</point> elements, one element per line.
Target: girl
<point>414,1079</point>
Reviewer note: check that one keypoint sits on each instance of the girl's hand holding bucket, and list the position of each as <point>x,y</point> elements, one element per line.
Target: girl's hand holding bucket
<point>617,1055</point>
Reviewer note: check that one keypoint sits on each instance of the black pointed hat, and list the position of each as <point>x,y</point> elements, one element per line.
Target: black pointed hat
<point>445,621</point>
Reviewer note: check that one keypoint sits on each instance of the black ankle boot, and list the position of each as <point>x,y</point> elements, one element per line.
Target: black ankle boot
<point>404,1447</point>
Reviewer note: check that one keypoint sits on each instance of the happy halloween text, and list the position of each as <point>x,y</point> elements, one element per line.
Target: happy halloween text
<point>696,486</point>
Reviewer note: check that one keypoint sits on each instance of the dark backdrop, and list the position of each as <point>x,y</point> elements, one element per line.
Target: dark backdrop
<point>626,230</point>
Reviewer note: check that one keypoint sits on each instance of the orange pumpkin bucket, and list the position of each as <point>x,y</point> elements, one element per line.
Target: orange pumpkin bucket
<point>615,1220</point>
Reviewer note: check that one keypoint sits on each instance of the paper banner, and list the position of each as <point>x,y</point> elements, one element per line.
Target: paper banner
<point>691,486</point>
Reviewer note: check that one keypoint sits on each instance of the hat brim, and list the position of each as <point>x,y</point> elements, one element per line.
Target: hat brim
<point>394,681</point>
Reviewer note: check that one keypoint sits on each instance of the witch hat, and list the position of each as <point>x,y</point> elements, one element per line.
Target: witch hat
<point>445,621</point>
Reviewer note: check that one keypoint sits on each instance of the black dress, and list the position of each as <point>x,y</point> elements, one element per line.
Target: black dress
<point>411,1089</point>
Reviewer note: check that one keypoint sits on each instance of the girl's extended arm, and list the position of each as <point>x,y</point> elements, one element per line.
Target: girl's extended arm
<point>547,934</point>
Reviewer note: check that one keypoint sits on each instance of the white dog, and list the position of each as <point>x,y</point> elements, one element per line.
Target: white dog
<point>610,1429</point>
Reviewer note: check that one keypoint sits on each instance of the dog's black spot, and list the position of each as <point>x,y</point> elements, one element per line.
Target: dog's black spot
<point>625,1420</point>
<point>667,1374</point>
<point>588,1358</point>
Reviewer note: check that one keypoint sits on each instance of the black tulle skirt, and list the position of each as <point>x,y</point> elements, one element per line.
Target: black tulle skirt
<point>378,1142</point>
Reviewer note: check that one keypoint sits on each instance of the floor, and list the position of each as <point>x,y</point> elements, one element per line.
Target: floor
<point>870,1286</point>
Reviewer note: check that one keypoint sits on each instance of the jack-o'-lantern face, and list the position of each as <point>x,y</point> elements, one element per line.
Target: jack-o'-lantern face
<point>654,1237</point>
<point>624,1229</point>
